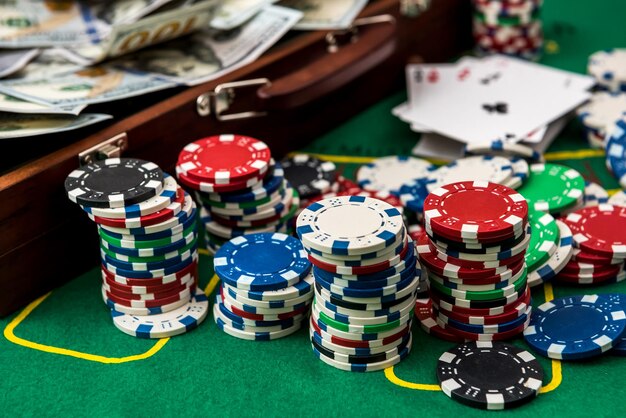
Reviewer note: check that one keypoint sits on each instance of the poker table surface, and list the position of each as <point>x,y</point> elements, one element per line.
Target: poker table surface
<point>62,355</point>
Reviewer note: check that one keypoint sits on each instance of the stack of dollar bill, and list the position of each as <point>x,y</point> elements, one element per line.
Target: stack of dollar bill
<point>57,57</point>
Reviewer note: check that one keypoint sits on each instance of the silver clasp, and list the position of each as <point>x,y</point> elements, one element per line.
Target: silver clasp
<point>219,100</point>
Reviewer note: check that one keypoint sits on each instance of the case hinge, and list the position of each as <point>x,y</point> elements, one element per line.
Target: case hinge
<point>111,148</point>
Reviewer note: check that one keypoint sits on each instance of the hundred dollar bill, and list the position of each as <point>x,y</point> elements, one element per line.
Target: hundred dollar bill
<point>154,29</point>
<point>46,23</point>
<point>17,126</point>
<point>210,54</point>
<point>124,11</point>
<point>13,61</point>
<point>49,62</point>
<point>233,13</point>
<point>324,14</point>
<point>14,105</point>
<point>98,84</point>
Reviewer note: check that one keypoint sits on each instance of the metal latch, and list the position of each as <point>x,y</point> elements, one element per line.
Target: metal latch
<point>351,34</point>
<point>218,101</point>
<point>111,148</point>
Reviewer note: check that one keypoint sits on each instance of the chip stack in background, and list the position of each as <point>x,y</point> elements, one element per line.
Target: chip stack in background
<point>366,276</point>
<point>616,151</point>
<point>554,188</point>
<point>600,246</point>
<point>510,27</point>
<point>474,250</point>
<point>148,245</point>
<point>240,188</point>
<point>511,172</point>
<point>599,116</point>
<point>609,69</point>
<point>310,176</point>
<point>267,286</point>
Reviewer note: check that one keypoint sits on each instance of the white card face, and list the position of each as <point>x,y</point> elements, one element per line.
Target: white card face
<point>494,98</point>
<point>436,146</point>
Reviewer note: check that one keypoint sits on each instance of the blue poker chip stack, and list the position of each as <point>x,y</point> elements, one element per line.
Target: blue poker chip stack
<point>148,245</point>
<point>366,278</point>
<point>267,286</point>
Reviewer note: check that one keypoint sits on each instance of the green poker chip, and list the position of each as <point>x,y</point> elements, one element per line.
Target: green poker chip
<point>483,295</point>
<point>553,188</point>
<point>366,329</point>
<point>156,258</point>
<point>544,239</point>
<point>145,244</point>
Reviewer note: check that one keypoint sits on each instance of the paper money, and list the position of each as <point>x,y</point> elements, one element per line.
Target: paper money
<point>160,27</point>
<point>13,61</point>
<point>233,13</point>
<point>17,126</point>
<point>49,62</point>
<point>324,14</point>
<point>208,55</point>
<point>98,84</point>
<point>125,11</point>
<point>45,23</point>
<point>14,105</point>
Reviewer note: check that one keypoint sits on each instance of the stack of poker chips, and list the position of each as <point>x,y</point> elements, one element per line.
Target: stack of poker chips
<point>510,27</point>
<point>366,276</point>
<point>609,69</point>
<point>473,251</point>
<point>239,186</point>
<point>511,172</point>
<point>616,151</point>
<point>148,245</point>
<point>267,286</point>
<point>310,176</point>
<point>599,246</point>
<point>554,188</point>
<point>599,116</point>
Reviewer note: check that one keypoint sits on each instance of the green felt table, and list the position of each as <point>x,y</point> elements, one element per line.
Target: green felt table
<point>62,355</point>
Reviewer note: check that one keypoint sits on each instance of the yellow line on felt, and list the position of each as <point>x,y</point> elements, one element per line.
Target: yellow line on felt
<point>557,376</point>
<point>10,335</point>
<point>550,156</point>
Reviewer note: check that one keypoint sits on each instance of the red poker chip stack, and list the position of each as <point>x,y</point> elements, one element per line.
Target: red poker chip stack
<point>473,245</point>
<point>510,27</point>
<point>600,245</point>
<point>241,190</point>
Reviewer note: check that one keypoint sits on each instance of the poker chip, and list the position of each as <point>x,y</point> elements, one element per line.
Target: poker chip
<point>599,230</point>
<point>262,262</point>
<point>244,334</point>
<point>576,327</point>
<point>498,328</point>
<point>224,159</point>
<point>557,261</point>
<point>521,171</point>
<point>595,194</point>
<point>501,148</point>
<point>168,324</point>
<point>336,225</point>
<point>319,340</point>
<point>310,176</point>
<point>616,151</point>
<point>619,348</point>
<point>618,199</point>
<point>270,184</point>
<point>368,367</point>
<point>607,67</point>
<point>388,174</point>
<point>486,168</point>
<point>114,183</point>
<point>453,210</point>
<point>543,238</point>
<point>424,312</point>
<point>599,115</point>
<point>553,188</point>
<point>489,375</point>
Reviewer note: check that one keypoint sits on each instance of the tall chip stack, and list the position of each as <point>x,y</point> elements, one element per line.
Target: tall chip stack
<point>240,188</point>
<point>267,286</point>
<point>476,238</point>
<point>600,115</point>
<point>616,151</point>
<point>148,245</point>
<point>366,276</point>
<point>510,27</point>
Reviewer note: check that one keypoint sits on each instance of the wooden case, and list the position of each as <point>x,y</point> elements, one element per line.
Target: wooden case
<point>45,240</point>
